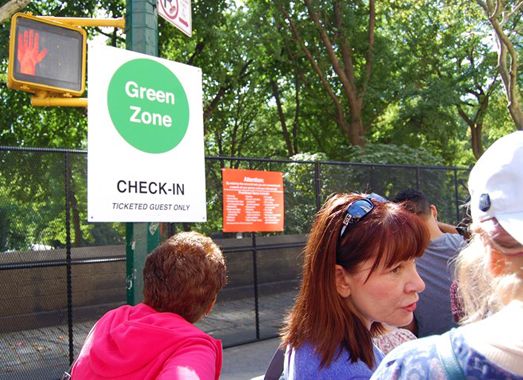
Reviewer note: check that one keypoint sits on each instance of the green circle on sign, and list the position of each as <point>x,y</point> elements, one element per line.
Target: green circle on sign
<point>148,106</point>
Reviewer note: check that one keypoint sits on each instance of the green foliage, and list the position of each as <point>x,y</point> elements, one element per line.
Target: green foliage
<point>300,196</point>
<point>392,154</point>
<point>497,121</point>
<point>430,58</point>
<point>107,233</point>
<point>11,235</point>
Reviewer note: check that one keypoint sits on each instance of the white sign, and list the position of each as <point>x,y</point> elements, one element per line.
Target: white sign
<point>177,12</point>
<point>145,155</point>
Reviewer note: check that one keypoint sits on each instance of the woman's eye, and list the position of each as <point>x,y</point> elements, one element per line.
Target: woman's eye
<point>396,269</point>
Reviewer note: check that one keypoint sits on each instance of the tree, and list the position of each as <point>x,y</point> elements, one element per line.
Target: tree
<point>505,16</point>
<point>476,118</point>
<point>442,67</point>
<point>476,77</point>
<point>324,32</point>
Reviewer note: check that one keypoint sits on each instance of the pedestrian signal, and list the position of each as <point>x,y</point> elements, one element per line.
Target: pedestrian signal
<point>46,55</point>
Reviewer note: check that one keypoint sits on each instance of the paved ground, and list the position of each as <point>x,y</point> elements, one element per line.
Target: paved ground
<point>248,360</point>
<point>43,353</point>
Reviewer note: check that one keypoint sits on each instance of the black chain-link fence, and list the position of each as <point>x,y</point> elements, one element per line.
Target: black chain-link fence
<point>58,273</point>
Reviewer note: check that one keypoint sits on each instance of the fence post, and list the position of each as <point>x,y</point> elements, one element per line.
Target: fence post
<point>255,279</point>
<point>455,171</point>
<point>67,178</point>
<point>317,185</point>
<point>371,179</point>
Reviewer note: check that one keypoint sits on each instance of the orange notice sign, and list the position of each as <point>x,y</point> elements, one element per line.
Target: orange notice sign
<point>252,201</point>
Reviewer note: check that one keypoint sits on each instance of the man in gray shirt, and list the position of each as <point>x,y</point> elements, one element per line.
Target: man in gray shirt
<point>433,313</point>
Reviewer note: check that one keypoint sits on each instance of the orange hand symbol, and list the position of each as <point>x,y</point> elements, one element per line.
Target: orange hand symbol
<point>27,53</point>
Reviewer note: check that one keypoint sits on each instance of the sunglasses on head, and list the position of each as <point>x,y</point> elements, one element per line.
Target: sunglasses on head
<point>358,210</point>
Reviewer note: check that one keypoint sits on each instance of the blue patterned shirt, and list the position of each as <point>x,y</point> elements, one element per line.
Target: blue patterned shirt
<point>419,360</point>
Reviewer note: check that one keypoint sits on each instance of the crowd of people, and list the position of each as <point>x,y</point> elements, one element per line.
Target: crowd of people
<point>377,275</point>
<point>375,268</point>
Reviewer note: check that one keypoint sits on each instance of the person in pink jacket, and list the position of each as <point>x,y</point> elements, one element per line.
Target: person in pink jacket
<point>156,339</point>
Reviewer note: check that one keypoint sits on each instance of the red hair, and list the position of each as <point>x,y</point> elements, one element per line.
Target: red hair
<point>320,316</point>
<point>184,275</point>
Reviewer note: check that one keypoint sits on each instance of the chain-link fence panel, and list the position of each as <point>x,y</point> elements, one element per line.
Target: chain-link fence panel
<point>59,273</point>
<point>33,278</point>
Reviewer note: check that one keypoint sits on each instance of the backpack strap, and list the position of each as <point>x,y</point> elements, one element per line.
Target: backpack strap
<point>275,368</point>
<point>447,357</point>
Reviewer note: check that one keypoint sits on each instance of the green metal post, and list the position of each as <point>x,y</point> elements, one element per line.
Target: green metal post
<point>141,238</point>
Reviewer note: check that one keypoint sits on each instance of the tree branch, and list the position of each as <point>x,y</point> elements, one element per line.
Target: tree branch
<point>464,115</point>
<point>10,8</point>
<point>223,90</point>
<point>349,88</point>
<point>297,110</point>
<point>197,50</point>
<point>281,116</point>
<point>515,10</point>
<point>316,67</point>
<point>346,50</point>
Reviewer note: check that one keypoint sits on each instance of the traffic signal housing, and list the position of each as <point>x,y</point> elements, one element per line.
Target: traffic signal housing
<point>46,56</point>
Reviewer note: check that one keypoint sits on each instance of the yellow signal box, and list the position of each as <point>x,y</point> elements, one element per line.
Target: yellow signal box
<point>46,56</point>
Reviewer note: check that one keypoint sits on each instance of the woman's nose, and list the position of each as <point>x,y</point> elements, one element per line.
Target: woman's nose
<point>414,283</point>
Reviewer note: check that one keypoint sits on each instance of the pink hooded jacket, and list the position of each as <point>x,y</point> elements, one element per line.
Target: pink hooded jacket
<point>137,342</point>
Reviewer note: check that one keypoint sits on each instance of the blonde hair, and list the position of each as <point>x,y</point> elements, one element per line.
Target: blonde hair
<point>481,292</point>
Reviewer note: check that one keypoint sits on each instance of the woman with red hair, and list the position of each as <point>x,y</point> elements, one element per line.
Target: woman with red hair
<point>359,271</point>
<point>157,339</point>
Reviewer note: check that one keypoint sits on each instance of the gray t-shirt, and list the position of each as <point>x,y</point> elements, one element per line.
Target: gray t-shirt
<point>433,313</point>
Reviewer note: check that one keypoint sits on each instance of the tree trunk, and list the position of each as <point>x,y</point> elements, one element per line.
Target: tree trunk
<point>356,130</point>
<point>476,124</point>
<point>514,108</point>
<point>475,137</point>
<point>340,55</point>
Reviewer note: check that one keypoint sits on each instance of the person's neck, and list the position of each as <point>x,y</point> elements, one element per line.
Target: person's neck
<point>433,228</point>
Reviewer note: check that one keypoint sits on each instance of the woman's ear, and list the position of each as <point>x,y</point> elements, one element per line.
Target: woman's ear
<point>496,263</point>
<point>342,281</point>
<point>211,306</point>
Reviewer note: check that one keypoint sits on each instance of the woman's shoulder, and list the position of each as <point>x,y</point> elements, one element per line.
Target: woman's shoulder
<point>420,359</point>
<point>413,359</point>
<point>478,366</point>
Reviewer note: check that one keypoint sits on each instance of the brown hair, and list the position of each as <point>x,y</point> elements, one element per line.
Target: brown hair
<point>320,316</point>
<point>184,275</point>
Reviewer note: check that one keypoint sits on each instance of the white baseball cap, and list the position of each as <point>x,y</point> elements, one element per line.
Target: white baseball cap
<point>496,185</point>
